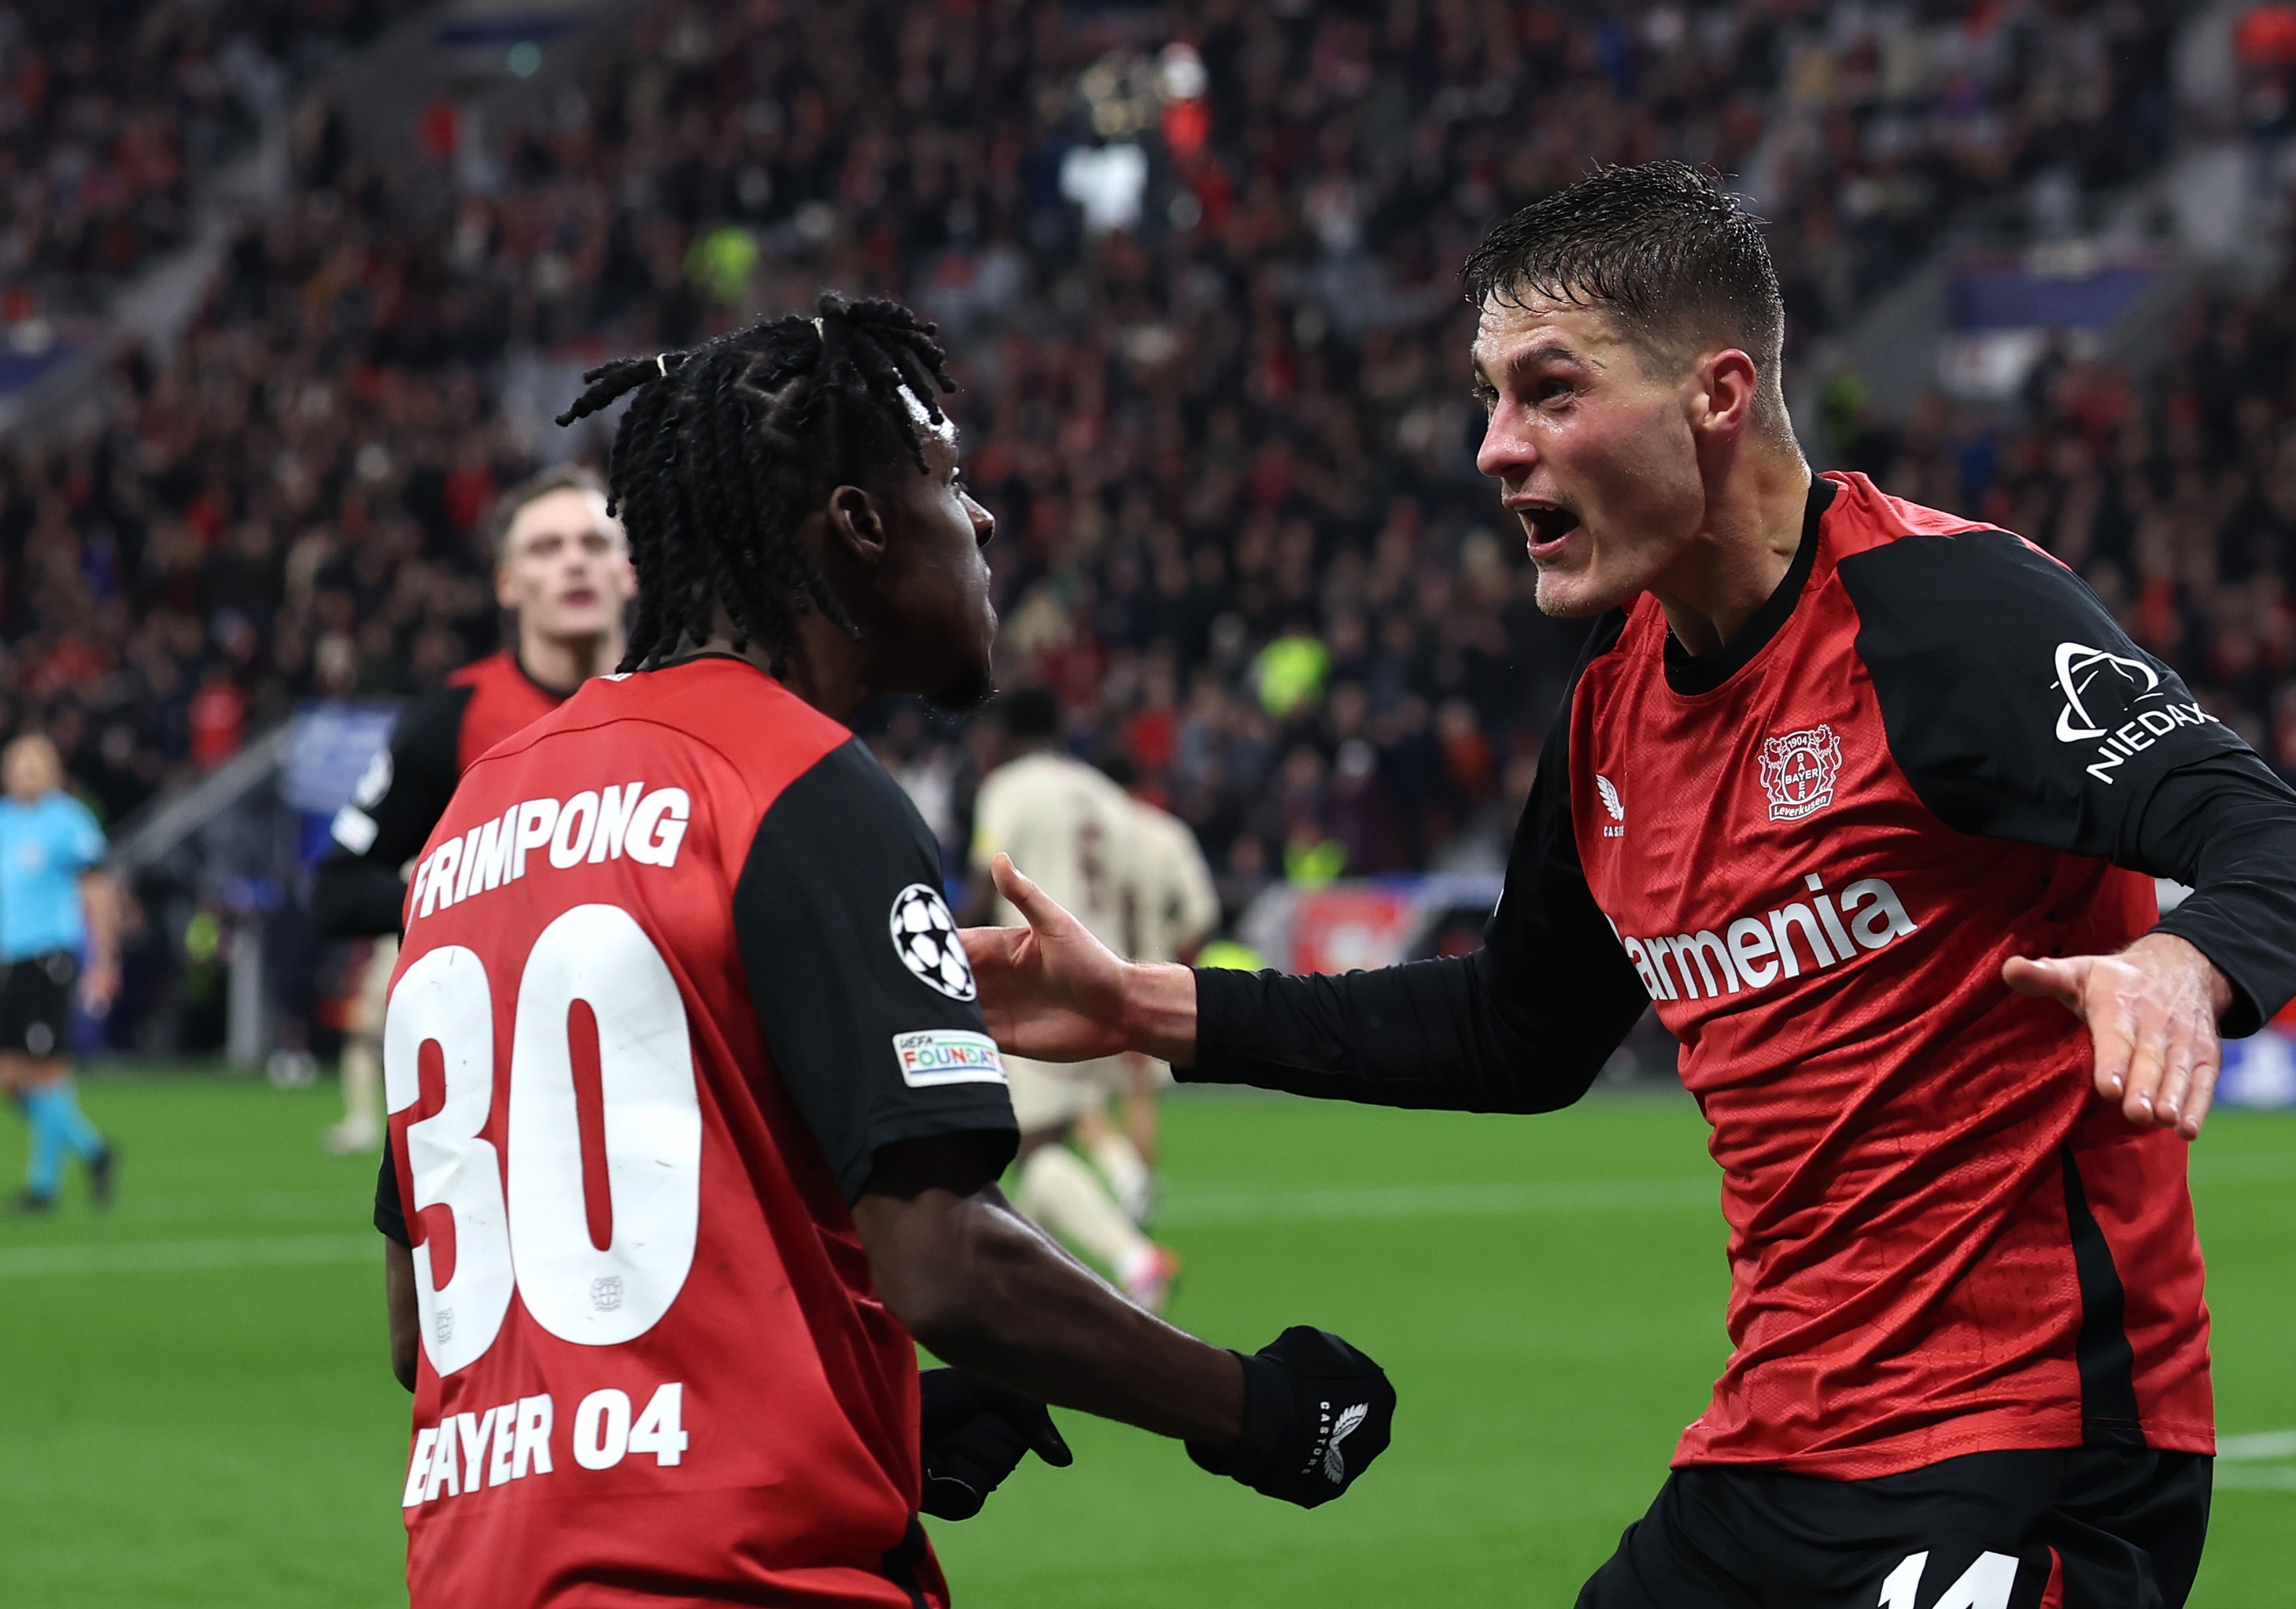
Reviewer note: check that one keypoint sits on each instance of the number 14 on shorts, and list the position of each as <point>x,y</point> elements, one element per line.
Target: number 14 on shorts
<point>465,1452</point>
<point>1984,1585</point>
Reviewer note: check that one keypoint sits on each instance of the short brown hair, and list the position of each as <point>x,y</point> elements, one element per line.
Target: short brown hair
<point>1674,256</point>
<point>557,478</point>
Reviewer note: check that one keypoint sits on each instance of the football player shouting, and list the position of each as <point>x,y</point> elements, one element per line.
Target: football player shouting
<point>1869,801</point>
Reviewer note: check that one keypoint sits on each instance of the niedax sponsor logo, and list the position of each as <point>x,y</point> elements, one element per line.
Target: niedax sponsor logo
<point>2119,699</point>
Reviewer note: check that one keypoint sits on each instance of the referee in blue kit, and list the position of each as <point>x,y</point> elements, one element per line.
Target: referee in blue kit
<point>57,907</point>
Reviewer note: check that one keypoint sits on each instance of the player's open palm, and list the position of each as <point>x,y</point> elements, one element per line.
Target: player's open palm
<point>1050,990</point>
<point>2152,1012</point>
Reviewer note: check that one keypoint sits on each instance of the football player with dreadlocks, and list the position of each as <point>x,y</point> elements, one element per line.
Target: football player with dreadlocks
<point>684,1053</point>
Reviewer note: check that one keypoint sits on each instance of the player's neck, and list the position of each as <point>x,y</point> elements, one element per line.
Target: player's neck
<point>565,662</point>
<point>826,667</point>
<point>1731,567</point>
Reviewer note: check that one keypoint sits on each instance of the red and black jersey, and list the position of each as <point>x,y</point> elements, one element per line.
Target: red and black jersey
<point>357,889</point>
<point>677,965</point>
<point>1812,850</point>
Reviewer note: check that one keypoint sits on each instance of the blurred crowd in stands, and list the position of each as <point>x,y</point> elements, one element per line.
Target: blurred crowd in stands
<point>112,110</point>
<point>1197,266</point>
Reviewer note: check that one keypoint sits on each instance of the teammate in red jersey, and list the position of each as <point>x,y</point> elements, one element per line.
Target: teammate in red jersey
<point>694,1120</point>
<point>562,569</point>
<point>1862,795</point>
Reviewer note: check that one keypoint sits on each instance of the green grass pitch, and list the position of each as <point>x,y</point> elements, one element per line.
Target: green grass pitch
<point>196,1407</point>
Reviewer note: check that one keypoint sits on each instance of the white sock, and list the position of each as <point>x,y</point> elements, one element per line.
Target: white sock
<point>1120,1163</point>
<point>1067,1199</point>
<point>362,1083</point>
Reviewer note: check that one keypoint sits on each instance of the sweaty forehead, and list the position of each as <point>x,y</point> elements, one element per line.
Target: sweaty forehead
<point>1505,332</point>
<point>570,508</point>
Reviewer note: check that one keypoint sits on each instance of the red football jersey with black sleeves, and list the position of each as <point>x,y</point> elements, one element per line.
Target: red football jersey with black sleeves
<point>503,699</point>
<point>1940,1241</point>
<point>1931,749</point>
<point>677,965</point>
<point>356,891</point>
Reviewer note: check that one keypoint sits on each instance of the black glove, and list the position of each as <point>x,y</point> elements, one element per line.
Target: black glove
<point>1315,1412</point>
<point>975,1434</point>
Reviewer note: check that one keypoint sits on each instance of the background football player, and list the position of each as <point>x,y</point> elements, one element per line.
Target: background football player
<point>562,572</point>
<point>1078,832</point>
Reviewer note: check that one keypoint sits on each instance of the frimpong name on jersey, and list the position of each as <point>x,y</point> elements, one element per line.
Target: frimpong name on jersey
<point>594,826</point>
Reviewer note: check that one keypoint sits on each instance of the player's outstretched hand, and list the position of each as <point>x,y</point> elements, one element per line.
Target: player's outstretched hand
<point>1049,990</point>
<point>2152,1012</point>
<point>975,1434</point>
<point>1315,1412</point>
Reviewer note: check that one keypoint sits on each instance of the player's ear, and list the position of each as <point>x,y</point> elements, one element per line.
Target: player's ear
<point>1728,381</point>
<point>506,587</point>
<point>856,523</point>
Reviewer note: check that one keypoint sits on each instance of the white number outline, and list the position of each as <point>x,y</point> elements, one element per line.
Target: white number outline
<point>444,997</point>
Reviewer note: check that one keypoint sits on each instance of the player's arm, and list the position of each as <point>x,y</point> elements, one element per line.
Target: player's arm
<point>357,891</point>
<point>99,903</point>
<point>397,1270</point>
<point>1971,641</point>
<point>866,1004</point>
<point>1523,1024</point>
<point>398,1300</point>
<point>988,1291</point>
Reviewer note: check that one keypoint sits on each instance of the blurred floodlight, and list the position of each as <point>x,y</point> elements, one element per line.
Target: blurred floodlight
<point>1108,182</point>
<point>1180,73</point>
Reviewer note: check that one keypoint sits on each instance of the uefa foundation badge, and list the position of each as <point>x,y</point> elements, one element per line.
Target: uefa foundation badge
<point>1799,771</point>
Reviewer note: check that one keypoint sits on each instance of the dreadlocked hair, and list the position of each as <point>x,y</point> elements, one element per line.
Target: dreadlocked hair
<point>728,446</point>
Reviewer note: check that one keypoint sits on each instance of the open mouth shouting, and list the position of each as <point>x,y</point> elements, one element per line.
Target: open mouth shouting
<point>1545,525</point>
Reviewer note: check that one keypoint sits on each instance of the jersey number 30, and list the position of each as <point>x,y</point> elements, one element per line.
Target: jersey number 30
<point>528,1226</point>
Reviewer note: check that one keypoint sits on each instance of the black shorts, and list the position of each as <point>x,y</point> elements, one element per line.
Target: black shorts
<point>35,1003</point>
<point>2081,1528</point>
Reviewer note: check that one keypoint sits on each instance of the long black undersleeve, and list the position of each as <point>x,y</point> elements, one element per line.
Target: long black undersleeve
<point>2228,827</point>
<point>354,898</point>
<point>1425,1034</point>
<point>357,891</point>
<point>1523,1024</point>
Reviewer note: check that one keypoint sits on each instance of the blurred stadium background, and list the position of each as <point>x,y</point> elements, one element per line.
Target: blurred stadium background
<point>288,291</point>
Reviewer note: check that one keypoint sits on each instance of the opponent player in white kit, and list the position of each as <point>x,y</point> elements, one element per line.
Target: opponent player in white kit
<point>1172,907</point>
<point>1070,828</point>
